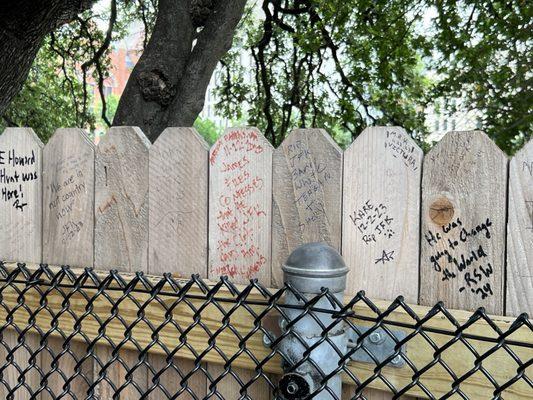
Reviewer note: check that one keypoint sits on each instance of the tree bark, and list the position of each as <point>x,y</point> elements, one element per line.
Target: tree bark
<point>23,26</point>
<point>167,86</point>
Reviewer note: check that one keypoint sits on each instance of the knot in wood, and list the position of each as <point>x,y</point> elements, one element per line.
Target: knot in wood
<point>441,211</point>
<point>155,86</point>
<point>200,11</point>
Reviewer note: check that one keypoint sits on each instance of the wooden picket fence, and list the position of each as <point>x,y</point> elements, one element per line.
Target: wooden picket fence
<point>455,225</point>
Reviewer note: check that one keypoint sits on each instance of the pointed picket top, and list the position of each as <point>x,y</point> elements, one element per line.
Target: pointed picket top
<point>123,133</point>
<point>307,194</point>
<point>121,199</point>
<point>454,151</point>
<point>251,138</point>
<point>311,134</point>
<point>15,133</point>
<point>68,198</point>
<point>520,233</point>
<point>182,134</point>
<point>400,144</point>
<point>381,198</point>
<point>464,191</point>
<point>74,135</point>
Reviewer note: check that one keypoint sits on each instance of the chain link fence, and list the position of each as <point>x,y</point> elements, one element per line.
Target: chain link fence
<point>66,333</point>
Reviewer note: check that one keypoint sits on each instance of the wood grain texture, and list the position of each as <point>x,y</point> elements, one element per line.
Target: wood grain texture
<point>463,223</point>
<point>121,231</point>
<point>381,205</point>
<point>20,240</point>
<point>498,364</point>
<point>307,194</point>
<point>68,199</point>
<point>68,236</point>
<point>520,233</point>
<point>240,210</point>
<point>178,232</point>
<point>381,200</point>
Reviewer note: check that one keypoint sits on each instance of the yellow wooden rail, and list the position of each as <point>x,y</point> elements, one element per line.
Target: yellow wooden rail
<point>437,380</point>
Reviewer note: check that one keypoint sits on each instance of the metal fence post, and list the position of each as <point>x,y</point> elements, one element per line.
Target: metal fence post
<point>308,269</point>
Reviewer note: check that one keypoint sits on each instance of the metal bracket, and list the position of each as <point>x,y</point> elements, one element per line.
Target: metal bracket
<point>379,343</point>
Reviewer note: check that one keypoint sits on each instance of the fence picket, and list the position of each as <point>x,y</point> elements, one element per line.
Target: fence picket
<point>240,193</point>
<point>381,199</point>
<point>20,240</point>
<point>68,233</point>
<point>307,194</point>
<point>464,204</point>
<point>520,233</point>
<point>121,233</point>
<point>239,209</point>
<point>178,230</point>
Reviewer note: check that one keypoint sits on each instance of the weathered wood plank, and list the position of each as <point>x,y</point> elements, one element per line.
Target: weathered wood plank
<point>121,231</point>
<point>464,188</point>
<point>307,194</point>
<point>178,231</point>
<point>68,235</point>
<point>464,204</point>
<point>240,209</point>
<point>381,199</point>
<point>438,381</point>
<point>381,205</point>
<point>20,240</point>
<point>68,199</point>
<point>520,233</point>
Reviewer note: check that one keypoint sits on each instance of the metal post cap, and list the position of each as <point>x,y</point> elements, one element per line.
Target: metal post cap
<point>313,266</point>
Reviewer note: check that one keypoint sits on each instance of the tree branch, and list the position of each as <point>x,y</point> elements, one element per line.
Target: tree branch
<point>23,26</point>
<point>213,42</point>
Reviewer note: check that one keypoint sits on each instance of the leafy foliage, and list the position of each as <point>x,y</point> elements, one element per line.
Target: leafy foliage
<point>208,129</point>
<point>73,60</point>
<point>45,103</point>
<point>486,57</point>
<point>343,65</point>
<point>338,65</point>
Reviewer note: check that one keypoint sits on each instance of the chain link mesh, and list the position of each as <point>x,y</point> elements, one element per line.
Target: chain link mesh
<point>66,333</point>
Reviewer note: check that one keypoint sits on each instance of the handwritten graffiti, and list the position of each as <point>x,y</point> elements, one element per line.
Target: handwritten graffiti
<point>473,266</point>
<point>239,210</point>
<point>16,170</point>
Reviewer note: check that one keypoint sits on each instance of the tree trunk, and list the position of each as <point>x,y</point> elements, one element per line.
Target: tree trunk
<point>167,86</point>
<point>23,26</point>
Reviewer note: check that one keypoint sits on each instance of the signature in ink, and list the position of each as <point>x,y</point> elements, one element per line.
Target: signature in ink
<point>385,257</point>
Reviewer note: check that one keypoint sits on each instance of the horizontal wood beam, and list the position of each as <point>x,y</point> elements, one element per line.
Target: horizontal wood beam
<point>439,382</point>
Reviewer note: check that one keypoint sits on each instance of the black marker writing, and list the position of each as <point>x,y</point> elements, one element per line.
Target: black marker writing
<point>385,256</point>
<point>472,266</point>
<point>529,205</point>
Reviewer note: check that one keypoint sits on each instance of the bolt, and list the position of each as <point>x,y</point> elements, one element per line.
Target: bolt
<point>396,360</point>
<point>283,324</point>
<point>292,388</point>
<point>267,342</point>
<point>375,338</point>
